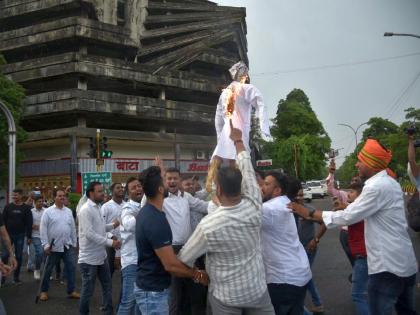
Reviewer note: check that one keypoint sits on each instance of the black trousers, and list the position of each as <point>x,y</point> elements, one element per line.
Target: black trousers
<point>287,299</point>
<point>187,297</point>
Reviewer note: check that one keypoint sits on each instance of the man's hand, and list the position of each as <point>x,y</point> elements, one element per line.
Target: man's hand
<point>47,250</point>
<point>298,209</point>
<point>159,162</point>
<point>235,133</point>
<point>29,241</point>
<point>13,262</point>
<point>115,223</point>
<point>5,269</point>
<point>116,244</point>
<point>35,227</point>
<point>312,245</point>
<point>200,276</point>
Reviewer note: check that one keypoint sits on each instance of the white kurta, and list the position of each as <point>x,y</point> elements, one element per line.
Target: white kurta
<point>248,96</point>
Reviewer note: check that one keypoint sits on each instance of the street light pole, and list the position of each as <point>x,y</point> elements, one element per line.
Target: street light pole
<point>355,131</point>
<point>12,148</point>
<point>389,34</point>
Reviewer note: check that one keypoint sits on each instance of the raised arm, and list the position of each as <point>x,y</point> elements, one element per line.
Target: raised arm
<point>250,187</point>
<point>415,170</point>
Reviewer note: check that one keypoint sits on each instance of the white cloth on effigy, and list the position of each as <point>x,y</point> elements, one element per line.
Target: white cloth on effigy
<point>247,97</point>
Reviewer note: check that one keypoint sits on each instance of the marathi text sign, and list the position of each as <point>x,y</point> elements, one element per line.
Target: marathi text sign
<point>105,178</point>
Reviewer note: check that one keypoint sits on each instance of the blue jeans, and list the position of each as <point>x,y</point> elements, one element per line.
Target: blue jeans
<point>38,251</point>
<point>89,273</point>
<point>69,258</point>
<point>128,302</point>
<point>18,242</point>
<point>359,286</point>
<point>386,291</point>
<point>31,257</point>
<point>313,291</point>
<point>152,303</point>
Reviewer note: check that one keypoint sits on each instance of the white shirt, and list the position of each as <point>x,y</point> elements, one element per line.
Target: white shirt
<point>130,210</point>
<point>381,205</point>
<point>177,208</point>
<point>58,224</point>
<point>36,220</point>
<point>285,259</point>
<point>92,234</point>
<point>111,211</point>
<point>248,97</point>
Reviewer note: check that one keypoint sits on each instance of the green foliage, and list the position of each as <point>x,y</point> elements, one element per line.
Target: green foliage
<point>74,200</point>
<point>12,95</point>
<point>300,141</point>
<point>392,137</point>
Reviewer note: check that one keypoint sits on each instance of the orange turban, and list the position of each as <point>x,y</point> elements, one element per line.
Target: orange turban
<point>374,155</point>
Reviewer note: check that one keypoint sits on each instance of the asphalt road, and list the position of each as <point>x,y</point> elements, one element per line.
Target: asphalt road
<point>331,270</point>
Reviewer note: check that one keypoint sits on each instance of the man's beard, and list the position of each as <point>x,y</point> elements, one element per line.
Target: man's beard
<point>267,197</point>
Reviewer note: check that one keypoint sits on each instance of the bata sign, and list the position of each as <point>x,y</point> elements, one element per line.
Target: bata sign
<point>127,165</point>
<point>263,163</point>
<point>198,167</point>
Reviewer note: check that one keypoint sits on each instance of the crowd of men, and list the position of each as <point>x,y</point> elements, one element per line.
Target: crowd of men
<point>246,248</point>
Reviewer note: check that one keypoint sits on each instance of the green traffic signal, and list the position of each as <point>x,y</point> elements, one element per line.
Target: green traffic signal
<point>106,154</point>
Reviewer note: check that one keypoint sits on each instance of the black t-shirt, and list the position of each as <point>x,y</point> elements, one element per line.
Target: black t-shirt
<point>152,232</point>
<point>18,219</point>
<point>1,219</point>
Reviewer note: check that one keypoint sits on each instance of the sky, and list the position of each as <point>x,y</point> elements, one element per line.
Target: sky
<point>335,51</point>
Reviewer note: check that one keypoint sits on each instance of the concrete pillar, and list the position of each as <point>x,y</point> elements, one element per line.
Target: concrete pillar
<point>74,165</point>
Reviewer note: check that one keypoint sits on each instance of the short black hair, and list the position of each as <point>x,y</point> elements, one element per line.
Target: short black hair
<point>260,173</point>
<point>91,187</point>
<point>151,180</point>
<point>293,188</point>
<point>229,179</point>
<point>38,197</point>
<point>55,191</point>
<point>18,191</point>
<point>113,186</point>
<point>281,180</point>
<point>357,187</point>
<point>173,170</point>
<point>187,177</point>
<point>129,180</point>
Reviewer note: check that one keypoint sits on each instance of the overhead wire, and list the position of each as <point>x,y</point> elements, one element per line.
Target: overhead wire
<point>332,66</point>
<point>397,104</point>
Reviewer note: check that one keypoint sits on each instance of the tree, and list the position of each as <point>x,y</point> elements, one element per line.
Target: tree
<point>390,135</point>
<point>300,141</point>
<point>12,95</point>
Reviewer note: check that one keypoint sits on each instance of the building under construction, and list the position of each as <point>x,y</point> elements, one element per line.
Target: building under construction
<point>147,73</point>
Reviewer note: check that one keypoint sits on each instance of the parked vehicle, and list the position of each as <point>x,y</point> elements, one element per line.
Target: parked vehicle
<point>316,188</point>
<point>324,187</point>
<point>307,193</point>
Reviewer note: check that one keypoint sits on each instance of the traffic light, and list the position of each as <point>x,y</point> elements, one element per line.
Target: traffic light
<point>92,148</point>
<point>105,153</point>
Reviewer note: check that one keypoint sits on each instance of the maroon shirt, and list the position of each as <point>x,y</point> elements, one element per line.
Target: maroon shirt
<point>357,239</point>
